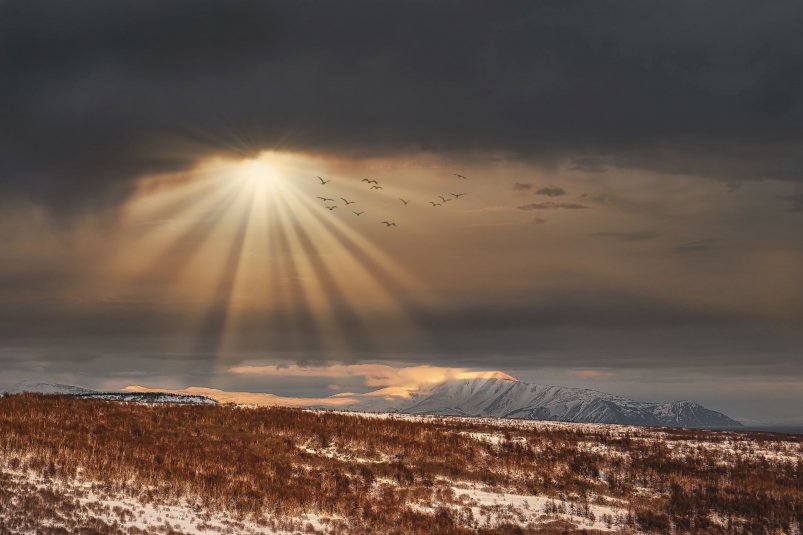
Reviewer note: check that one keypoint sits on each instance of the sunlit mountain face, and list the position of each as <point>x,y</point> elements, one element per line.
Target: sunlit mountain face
<point>598,198</point>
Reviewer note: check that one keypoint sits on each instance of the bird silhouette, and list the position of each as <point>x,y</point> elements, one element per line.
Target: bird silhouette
<point>324,182</point>
<point>369,180</point>
<point>405,202</point>
<point>442,198</point>
<point>348,202</point>
<point>377,187</point>
<point>457,195</point>
<point>325,199</point>
<point>460,176</point>
<point>435,203</point>
<point>359,213</point>
<point>389,223</point>
<point>330,208</point>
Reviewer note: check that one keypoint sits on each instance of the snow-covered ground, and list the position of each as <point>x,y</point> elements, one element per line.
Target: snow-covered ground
<point>81,503</point>
<point>483,473</point>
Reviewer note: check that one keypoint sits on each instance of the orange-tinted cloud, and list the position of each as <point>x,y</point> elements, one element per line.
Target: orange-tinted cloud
<point>374,375</point>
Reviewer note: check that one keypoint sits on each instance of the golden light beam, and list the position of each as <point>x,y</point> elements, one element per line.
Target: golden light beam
<point>350,324</point>
<point>213,327</point>
<point>325,283</point>
<point>388,275</point>
<point>302,313</point>
<point>174,258</point>
<point>325,312</point>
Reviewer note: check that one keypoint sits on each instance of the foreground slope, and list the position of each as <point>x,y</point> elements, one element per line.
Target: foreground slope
<point>74,465</point>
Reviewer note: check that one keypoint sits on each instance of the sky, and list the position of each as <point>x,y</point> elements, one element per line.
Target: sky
<point>629,216</point>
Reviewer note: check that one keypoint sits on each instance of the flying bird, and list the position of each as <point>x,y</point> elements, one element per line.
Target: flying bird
<point>460,176</point>
<point>348,202</point>
<point>369,180</point>
<point>325,199</point>
<point>359,213</point>
<point>435,203</point>
<point>389,223</point>
<point>405,202</point>
<point>324,182</point>
<point>457,195</point>
<point>330,208</point>
<point>377,187</point>
<point>442,198</point>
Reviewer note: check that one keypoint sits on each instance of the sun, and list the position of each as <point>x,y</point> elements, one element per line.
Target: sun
<point>256,172</point>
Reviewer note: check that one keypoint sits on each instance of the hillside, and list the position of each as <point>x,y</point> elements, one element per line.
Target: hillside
<point>39,387</point>
<point>123,468</point>
<point>509,398</point>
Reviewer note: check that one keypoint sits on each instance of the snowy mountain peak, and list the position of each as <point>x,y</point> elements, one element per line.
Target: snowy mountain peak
<point>487,375</point>
<point>498,395</point>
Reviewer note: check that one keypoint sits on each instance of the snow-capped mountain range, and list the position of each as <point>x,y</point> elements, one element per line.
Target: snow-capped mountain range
<point>502,396</point>
<point>491,395</point>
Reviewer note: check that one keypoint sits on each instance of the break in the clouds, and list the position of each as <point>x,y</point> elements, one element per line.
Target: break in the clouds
<point>97,94</point>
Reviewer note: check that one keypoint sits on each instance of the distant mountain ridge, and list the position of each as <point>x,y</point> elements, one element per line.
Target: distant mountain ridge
<point>41,387</point>
<point>507,397</point>
<point>86,393</point>
<point>488,394</point>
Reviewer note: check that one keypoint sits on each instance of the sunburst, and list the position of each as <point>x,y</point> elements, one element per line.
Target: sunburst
<point>254,265</point>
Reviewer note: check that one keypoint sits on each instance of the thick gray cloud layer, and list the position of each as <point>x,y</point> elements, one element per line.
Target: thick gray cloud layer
<point>94,93</point>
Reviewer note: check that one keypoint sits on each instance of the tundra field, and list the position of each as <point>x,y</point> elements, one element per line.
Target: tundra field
<point>87,466</point>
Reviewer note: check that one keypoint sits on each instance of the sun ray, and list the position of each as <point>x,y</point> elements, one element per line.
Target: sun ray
<point>174,258</point>
<point>349,322</point>
<point>299,304</point>
<point>213,326</point>
<point>383,270</point>
<point>290,278</point>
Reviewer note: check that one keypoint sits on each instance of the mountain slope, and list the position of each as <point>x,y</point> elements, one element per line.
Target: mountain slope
<point>499,397</point>
<point>39,387</point>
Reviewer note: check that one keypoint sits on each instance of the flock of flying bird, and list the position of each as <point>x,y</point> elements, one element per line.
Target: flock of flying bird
<point>374,185</point>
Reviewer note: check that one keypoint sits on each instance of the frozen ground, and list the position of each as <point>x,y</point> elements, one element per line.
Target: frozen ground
<point>483,475</point>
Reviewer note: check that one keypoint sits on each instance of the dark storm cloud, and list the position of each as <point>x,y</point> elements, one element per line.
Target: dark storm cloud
<point>95,93</point>
<point>603,328</point>
<point>590,164</point>
<point>550,205</point>
<point>551,191</point>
